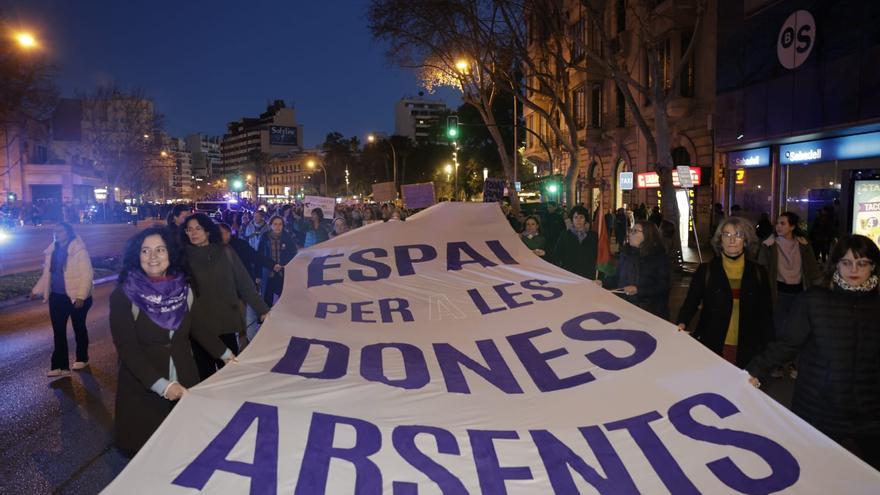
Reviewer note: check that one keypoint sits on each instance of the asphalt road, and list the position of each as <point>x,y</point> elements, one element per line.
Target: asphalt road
<point>23,250</point>
<point>56,434</point>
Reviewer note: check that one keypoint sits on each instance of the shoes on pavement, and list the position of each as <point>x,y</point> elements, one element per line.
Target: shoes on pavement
<point>78,365</point>
<point>56,373</point>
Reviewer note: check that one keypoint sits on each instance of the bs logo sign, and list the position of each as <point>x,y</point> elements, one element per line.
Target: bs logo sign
<point>796,39</point>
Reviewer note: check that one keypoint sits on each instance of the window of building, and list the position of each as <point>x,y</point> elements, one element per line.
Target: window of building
<point>621,109</point>
<point>596,105</point>
<point>620,15</point>
<point>578,103</point>
<point>530,138</point>
<point>687,84</point>
<point>577,35</point>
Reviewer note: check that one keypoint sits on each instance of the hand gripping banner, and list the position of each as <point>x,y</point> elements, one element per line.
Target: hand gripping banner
<point>440,356</point>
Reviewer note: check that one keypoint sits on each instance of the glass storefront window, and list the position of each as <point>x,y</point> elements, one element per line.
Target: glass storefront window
<point>809,188</point>
<point>752,191</point>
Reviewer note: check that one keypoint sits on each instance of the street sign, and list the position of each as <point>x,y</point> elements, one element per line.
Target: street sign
<point>418,195</point>
<point>517,186</point>
<point>684,176</point>
<point>626,181</point>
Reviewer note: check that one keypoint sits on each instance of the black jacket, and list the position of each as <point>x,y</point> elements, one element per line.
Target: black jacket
<point>578,257</point>
<point>837,334</point>
<point>251,259</point>
<point>288,251</point>
<point>714,293</point>
<point>650,275</point>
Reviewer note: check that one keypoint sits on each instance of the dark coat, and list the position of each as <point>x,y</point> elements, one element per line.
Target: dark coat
<point>837,334</point>
<point>578,257</point>
<point>220,281</point>
<point>253,262</point>
<point>552,226</point>
<point>288,251</point>
<point>650,275</point>
<point>144,350</point>
<point>755,308</point>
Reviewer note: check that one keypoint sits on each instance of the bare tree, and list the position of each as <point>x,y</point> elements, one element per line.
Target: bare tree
<point>122,131</point>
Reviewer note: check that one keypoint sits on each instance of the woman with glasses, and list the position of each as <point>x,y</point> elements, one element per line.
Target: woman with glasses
<point>736,319</point>
<point>835,328</point>
<point>218,279</point>
<point>642,276</point>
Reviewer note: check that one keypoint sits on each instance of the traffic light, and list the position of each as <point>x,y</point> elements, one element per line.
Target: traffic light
<point>237,184</point>
<point>452,127</point>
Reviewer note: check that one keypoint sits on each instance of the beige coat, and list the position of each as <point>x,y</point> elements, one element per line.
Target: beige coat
<point>78,273</point>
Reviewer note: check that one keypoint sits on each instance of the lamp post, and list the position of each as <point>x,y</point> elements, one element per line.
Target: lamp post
<point>312,164</point>
<point>25,42</point>
<point>372,139</point>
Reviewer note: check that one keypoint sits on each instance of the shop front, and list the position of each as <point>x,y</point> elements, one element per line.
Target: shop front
<point>750,177</point>
<point>684,197</point>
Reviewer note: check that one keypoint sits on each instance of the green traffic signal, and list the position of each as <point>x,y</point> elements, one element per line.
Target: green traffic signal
<point>237,185</point>
<point>452,127</point>
<point>552,188</point>
<point>452,132</point>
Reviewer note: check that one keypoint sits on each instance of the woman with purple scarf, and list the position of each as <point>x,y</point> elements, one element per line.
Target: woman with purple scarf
<point>150,325</point>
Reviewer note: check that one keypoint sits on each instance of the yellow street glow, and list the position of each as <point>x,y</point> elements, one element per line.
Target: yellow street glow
<point>25,40</point>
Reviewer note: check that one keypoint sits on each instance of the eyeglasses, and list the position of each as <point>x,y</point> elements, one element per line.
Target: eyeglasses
<point>732,235</point>
<point>860,264</point>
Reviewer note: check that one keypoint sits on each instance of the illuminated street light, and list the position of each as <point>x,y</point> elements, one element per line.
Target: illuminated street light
<point>26,40</point>
<point>146,136</point>
<point>461,65</point>
<point>163,153</point>
<point>448,169</point>
<point>249,177</point>
<point>371,138</point>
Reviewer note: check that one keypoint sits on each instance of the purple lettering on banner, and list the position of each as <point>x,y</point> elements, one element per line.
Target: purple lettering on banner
<point>404,439</point>
<point>263,472</point>
<point>316,271</point>
<point>481,303</point>
<point>560,460</point>
<point>400,306</point>
<point>657,454</point>
<point>497,373</point>
<point>502,253</point>
<point>642,342</point>
<point>320,451</point>
<point>414,365</point>
<point>382,270</point>
<point>358,312</point>
<point>509,297</point>
<point>489,470</point>
<point>538,285</point>
<point>784,468</point>
<point>297,350</point>
<point>327,308</point>
<point>535,362</point>
<point>405,261</point>
<point>453,256</point>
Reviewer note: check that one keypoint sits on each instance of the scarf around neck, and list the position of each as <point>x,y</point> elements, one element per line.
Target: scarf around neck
<point>868,286</point>
<point>789,262</point>
<point>164,301</point>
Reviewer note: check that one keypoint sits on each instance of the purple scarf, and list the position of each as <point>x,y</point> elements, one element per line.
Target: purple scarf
<point>164,301</point>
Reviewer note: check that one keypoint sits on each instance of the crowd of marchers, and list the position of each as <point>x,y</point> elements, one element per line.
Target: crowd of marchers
<point>192,292</point>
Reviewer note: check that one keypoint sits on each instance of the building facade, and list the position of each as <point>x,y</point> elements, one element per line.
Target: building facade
<point>799,111</point>
<point>612,151</point>
<point>288,174</point>
<point>179,162</point>
<point>275,132</point>
<point>414,116</point>
<point>205,155</point>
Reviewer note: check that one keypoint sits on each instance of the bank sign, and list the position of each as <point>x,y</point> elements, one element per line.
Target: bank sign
<point>842,148</point>
<point>758,157</point>
<point>282,136</point>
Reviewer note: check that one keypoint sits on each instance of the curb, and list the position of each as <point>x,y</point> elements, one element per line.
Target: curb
<point>21,300</point>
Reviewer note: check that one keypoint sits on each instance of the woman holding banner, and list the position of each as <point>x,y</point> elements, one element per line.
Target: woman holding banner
<point>532,237</point>
<point>835,329</point>
<point>150,324</point>
<point>642,275</point>
<point>736,321</point>
<point>578,247</point>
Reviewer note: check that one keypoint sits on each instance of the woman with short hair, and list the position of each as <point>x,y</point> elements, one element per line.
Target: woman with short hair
<point>279,246</point>
<point>577,248</point>
<point>66,284</point>
<point>219,277</point>
<point>642,275</point>
<point>834,328</point>
<point>532,236</point>
<point>736,318</point>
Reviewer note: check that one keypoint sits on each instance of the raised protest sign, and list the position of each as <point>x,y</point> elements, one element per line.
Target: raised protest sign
<point>327,205</point>
<point>493,190</point>
<point>439,355</point>
<point>383,191</point>
<point>418,195</point>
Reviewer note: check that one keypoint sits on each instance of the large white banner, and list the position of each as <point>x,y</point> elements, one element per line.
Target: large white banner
<point>439,355</point>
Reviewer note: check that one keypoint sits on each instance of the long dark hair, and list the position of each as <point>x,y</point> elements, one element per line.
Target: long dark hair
<point>208,226</point>
<point>653,240</point>
<point>861,247</point>
<point>131,257</point>
<point>70,236</point>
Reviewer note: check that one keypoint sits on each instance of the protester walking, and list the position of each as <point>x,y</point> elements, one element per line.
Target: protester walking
<point>150,325</point>
<point>578,247</point>
<point>532,236</point>
<point>642,275</point>
<point>219,277</point>
<point>835,329</point>
<point>66,284</point>
<point>279,246</point>
<point>315,229</point>
<point>176,217</point>
<point>255,229</point>
<point>736,318</point>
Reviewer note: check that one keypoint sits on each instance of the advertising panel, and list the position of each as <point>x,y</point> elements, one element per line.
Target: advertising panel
<point>866,209</point>
<point>280,135</point>
<point>650,180</point>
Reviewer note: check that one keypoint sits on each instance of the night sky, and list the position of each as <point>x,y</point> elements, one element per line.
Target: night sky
<point>208,63</point>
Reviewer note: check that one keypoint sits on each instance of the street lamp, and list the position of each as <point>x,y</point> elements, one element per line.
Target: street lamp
<point>372,139</point>
<point>25,40</point>
<point>311,164</point>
